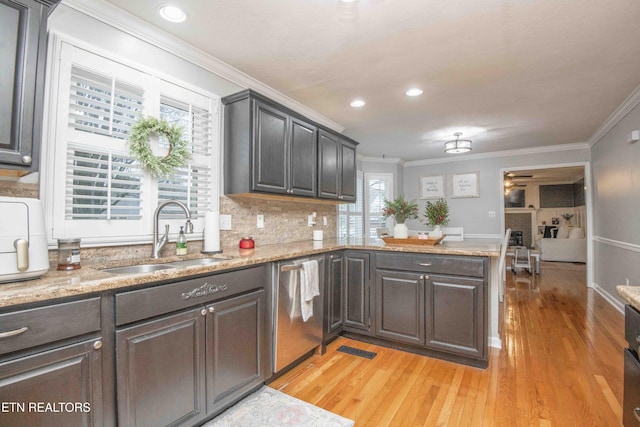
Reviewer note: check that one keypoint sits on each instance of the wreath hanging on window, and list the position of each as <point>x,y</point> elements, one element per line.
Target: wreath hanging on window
<point>140,147</point>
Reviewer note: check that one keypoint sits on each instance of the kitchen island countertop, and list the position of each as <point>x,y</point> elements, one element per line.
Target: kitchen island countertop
<point>631,294</point>
<point>90,279</point>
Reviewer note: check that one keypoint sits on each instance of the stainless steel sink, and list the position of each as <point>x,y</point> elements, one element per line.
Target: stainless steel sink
<point>197,261</point>
<point>138,269</point>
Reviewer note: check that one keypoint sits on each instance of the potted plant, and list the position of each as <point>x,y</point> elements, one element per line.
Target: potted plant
<point>437,215</point>
<point>401,210</point>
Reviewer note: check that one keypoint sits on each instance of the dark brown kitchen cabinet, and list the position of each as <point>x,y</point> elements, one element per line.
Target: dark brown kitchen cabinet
<point>269,149</point>
<point>189,349</point>
<point>456,315</point>
<point>631,396</point>
<point>237,352</point>
<point>52,354</point>
<point>160,371</point>
<point>400,308</point>
<point>336,167</point>
<point>23,52</point>
<point>356,292</point>
<point>334,313</point>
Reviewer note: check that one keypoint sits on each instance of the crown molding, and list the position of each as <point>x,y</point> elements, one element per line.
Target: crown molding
<point>140,29</point>
<point>394,160</point>
<point>620,112</point>
<point>504,153</point>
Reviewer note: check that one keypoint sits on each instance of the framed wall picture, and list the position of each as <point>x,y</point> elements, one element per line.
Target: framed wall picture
<point>465,185</point>
<point>432,187</point>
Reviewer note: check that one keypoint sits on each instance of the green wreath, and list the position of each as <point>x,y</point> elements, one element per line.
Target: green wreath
<point>140,148</point>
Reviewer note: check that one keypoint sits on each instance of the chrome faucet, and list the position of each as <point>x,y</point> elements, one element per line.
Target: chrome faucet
<point>159,242</point>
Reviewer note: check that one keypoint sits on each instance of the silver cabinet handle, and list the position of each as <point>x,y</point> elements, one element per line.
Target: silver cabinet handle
<point>14,332</point>
<point>97,345</point>
<point>422,277</point>
<point>425,264</point>
<point>203,311</point>
<point>26,159</point>
<point>211,309</point>
<point>22,254</point>
<point>426,277</point>
<point>636,413</point>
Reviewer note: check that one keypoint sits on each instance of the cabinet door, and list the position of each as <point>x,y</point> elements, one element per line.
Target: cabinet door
<point>328,156</point>
<point>357,291</point>
<point>456,315</point>
<point>236,352</point>
<point>400,306</point>
<point>334,314</point>
<point>22,30</point>
<point>347,173</point>
<point>303,159</point>
<point>160,371</point>
<point>67,374</point>
<point>270,151</point>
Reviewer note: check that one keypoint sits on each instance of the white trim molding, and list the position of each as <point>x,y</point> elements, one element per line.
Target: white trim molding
<point>140,29</point>
<point>504,153</point>
<point>617,243</point>
<point>610,298</point>
<point>394,160</point>
<point>615,117</point>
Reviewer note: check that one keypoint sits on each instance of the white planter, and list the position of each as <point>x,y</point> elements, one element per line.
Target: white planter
<point>400,231</point>
<point>436,233</point>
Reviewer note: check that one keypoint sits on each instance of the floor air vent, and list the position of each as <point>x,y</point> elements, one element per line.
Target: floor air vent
<point>357,352</point>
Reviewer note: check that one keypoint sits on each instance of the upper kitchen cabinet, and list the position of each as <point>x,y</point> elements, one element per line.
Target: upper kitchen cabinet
<point>23,25</point>
<point>268,148</point>
<point>337,167</point>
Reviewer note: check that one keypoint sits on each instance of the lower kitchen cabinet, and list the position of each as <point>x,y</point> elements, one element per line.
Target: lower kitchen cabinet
<point>334,313</point>
<point>456,315</point>
<point>236,348</point>
<point>181,368</point>
<point>400,308</point>
<point>356,291</point>
<point>61,387</point>
<point>161,371</point>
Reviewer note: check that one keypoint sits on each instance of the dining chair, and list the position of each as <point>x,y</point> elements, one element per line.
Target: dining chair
<point>502,271</point>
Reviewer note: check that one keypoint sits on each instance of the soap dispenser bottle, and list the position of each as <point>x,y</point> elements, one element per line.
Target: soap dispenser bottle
<point>181,243</point>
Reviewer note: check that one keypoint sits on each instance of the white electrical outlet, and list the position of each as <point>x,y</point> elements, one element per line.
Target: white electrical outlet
<point>260,221</point>
<point>225,222</point>
<point>626,281</point>
<point>492,214</point>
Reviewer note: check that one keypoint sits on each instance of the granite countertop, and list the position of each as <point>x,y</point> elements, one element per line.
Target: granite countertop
<point>90,279</point>
<point>631,294</point>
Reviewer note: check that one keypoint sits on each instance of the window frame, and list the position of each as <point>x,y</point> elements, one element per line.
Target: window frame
<point>65,52</point>
<point>388,177</point>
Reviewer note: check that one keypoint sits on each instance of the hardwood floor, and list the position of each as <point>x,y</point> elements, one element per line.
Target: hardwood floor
<point>561,365</point>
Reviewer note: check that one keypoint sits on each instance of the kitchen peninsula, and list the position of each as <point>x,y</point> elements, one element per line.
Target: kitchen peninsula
<point>123,330</point>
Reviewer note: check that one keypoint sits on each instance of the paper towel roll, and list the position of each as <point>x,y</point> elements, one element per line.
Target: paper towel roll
<point>211,232</point>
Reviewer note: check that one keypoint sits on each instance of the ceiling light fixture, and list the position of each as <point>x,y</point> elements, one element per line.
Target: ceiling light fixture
<point>357,103</point>
<point>172,13</point>
<point>458,145</point>
<point>414,91</point>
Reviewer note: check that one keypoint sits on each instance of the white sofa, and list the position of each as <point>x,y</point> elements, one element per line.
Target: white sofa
<point>569,246</point>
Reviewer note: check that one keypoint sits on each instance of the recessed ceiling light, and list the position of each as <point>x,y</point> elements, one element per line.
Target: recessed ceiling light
<point>347,1</point>
<point>414,92</point>
<point>172,13</point>
<point>357,103</point>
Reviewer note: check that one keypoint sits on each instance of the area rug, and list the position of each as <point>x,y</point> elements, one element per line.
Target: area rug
<point>270,408</point>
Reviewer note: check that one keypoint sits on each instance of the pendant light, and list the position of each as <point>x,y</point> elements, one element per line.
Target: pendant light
<point>458,145</point>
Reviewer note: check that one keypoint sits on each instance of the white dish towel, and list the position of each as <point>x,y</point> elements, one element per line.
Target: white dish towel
<point>309,288</point>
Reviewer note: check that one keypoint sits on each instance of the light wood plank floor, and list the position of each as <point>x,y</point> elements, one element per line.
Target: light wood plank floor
<point>561,365</point>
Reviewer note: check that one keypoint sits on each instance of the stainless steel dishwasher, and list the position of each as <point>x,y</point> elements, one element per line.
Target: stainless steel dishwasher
<point>293,338</point>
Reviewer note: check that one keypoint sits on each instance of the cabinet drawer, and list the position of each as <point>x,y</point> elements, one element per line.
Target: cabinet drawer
<point>149,302</point>
<point>632,327</point>
<point>36,326</point>
<point>439,264</point>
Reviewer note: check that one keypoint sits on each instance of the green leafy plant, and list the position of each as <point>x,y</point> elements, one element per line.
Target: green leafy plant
<point>400,209</point>
<point>437,213</point>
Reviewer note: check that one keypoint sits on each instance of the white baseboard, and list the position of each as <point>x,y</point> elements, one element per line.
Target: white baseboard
<point>610,298</point>
<point>495,342</point>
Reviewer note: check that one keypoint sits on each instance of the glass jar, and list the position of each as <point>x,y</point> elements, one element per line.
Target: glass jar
<point>68,254</point>
<point>247,243</point>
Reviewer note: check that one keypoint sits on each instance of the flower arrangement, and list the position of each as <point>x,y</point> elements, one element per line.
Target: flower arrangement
<point>437,213</point>
<point>400,209</point>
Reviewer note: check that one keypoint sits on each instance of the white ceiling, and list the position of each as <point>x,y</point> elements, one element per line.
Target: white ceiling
<point>531,73</point>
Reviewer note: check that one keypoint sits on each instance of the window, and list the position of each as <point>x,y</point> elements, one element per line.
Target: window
<point>350,215</point>
<point>377,187</point>
<point>96,189</point>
